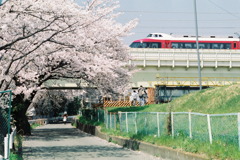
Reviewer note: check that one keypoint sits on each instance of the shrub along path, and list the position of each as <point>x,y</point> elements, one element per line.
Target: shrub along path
<point>64,142</point>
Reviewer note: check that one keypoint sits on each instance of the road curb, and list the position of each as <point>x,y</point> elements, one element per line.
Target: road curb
<point>160,151</point>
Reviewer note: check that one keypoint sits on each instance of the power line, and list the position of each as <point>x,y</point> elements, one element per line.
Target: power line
<point>230,13</point>
<point>187,27</point>
<point>159,12</point>
<point>179,20</point>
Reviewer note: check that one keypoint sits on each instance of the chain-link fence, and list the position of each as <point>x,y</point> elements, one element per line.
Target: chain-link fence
<point>204,127</point>
<point>5,128</point>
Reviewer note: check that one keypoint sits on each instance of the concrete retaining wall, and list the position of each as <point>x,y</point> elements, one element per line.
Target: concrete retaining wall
<point>160,151</point>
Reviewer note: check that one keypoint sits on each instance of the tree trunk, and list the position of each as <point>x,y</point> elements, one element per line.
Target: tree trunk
<point>19,110</point>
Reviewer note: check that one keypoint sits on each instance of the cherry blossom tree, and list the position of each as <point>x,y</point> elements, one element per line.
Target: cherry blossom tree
<point>53,39</point>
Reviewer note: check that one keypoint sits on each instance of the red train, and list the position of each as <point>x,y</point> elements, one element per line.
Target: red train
<point>162,40</point>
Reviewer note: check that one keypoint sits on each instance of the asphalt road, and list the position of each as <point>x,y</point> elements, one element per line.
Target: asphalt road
<point>63,142</point>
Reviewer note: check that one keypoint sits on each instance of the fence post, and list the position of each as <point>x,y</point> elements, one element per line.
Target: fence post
<point>158,125</point>
<point>107,119</point>
<point>120,121</point>
<point>190,124</point>
<point>145,123</point>
<point>239,130</point>
<point>209,128</point>
<point>11,140</point>
<point>126,121</point>
<point>98,115</point>
<point>115,122</point>
<point>6,147</point>
<point>136,129</point>
<point>104,115</point>
<point>172,124</point>
<point>110,120</point>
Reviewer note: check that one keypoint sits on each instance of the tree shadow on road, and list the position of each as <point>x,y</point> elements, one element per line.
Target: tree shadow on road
<point>77,152</point>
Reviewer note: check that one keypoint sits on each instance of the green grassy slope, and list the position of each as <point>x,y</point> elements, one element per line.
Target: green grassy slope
<point>212,101</point>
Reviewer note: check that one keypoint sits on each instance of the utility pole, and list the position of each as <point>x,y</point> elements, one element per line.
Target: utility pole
<point>197,44</point>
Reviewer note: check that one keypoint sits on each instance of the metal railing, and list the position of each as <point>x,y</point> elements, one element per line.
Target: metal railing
<point>184,58</point>
<point>203,127</point>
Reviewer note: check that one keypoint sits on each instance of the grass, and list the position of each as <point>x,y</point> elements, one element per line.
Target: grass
<point>90,122</point>
<point>17,153</point>
<point>218,100</point>
<point>34,125</point>
<point>217,150</point>
<point>210,101</point>
<point>15,157</point>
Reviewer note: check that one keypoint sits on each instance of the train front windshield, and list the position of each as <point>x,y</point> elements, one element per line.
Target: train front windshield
<point>145,45</point>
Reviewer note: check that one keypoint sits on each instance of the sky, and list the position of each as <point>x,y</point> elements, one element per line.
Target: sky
<point>220,18</point>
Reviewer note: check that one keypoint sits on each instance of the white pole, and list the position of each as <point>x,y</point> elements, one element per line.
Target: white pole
<point>115,122</point>
<point>126,122</point>
<point>209,128</point>
<point>136,129</point>
<point>110,120</point>
<point>145,125</point>
<point>104,117</point>
<point>120,120</point>
<point>198,54</point>
<point>172,124</point>
<point>6,147</point>
<point>158,125</point>
<point>107,120</point>
<point>11,140</point>
<point>190,124</point>
<point>239,130</point>
<point>98,114</point>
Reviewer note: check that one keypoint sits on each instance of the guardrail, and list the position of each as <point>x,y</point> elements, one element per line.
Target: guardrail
<point>184,57</point>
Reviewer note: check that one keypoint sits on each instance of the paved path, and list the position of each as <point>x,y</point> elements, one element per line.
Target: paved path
<point>63,142</point>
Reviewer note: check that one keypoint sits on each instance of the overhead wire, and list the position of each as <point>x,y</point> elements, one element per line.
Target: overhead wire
<point>180,20</point>
<point>158,12</point>
<point>225,10</point>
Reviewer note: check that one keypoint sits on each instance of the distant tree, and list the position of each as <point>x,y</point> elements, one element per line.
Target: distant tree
<point>73,106</point>
<point>49,103</point>
<point>54,39</point>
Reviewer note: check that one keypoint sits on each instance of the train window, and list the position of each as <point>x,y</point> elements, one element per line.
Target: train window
<point>150,35</point>
<point>207,45</point>
<point>155,45</point>
<point>174,45</point>
<point>234,45</point>
<point>221,46</point>
<point>227,46</point>
<point>202,45</point>
<point>188,45</point>
<point>215,46</point>
<point>135,45</point>
<point>146,45</point>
